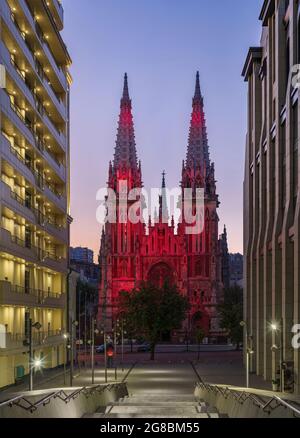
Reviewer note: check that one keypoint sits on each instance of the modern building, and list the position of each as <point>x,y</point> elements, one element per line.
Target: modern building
<point>271,191</point>
<point>236,270</point>
<point>158,251</point>
<point>82,255</point>
<point>34,184</point>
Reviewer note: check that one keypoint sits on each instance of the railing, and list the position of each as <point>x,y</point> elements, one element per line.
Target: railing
<point>24,403</point>
<point>41,218</point>
<point>40,294</point>
<point>38,66</point>
<point>273,403</point>
<point>41,180</point>
<point>41,253</point>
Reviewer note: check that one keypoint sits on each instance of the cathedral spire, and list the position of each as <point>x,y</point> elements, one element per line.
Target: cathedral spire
<point>198,95</point>
<point>125,150</point>
<point>163,204</point>
<point>125,96</point>
<point>197,153</point>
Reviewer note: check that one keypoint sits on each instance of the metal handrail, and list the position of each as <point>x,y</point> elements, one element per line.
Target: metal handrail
<point>243,396</point>
<point>25,404</point>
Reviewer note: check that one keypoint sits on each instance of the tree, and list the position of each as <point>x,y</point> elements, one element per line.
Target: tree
<point>231,314</point>
<point>153,310</point>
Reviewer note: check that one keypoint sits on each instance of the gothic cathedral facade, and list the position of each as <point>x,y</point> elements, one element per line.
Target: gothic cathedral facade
<point>132,253</point>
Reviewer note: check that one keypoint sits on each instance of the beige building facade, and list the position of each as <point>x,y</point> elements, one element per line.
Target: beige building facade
<point>34,184</point>
<point>271,192</point>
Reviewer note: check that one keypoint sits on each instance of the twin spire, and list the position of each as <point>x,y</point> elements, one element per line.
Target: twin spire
<point>197,151</point>
<point>125,150</point>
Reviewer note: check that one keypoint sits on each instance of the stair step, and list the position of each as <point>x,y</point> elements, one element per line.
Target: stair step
<point>165,399</point>
<point>154,403</point>
<point>158,410</point>
<point>154,416</point>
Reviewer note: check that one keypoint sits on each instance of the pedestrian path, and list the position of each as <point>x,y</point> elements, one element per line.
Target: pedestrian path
<point>160,391</point>
<point>147,405</point>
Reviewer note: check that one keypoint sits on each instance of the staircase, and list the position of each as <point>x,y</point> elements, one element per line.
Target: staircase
<point>159,405</point>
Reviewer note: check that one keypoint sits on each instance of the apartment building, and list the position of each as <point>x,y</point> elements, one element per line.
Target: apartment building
<point>34,184</point>
<point>272,201</point>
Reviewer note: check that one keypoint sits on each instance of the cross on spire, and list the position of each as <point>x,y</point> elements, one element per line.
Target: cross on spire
<point>198,94</point>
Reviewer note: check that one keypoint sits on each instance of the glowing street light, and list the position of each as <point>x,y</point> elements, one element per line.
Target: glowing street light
<point>37,364</point>
<point>278,328</point>
<point>274,327</point>
<point>37,326</point>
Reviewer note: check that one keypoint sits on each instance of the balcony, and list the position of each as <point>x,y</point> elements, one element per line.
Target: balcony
<point>17,341</point>
<point>16,74</point>
<point>19,163</point>
<point>21,296</point>
<point>44,45</point>
<point>59,15</point>
<point>13,114</point>
<point>25,250</point>
<point>17,247</point>
<point>15,203</point>
<point>53,262</point>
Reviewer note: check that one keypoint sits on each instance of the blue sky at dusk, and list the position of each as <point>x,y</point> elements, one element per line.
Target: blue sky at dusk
<point>160,44</point>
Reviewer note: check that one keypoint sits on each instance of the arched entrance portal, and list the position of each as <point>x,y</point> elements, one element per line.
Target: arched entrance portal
<point>160,273</point>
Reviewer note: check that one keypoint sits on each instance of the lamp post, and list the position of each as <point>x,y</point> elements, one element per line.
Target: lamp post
<point>115,348</point>
<point>122,337</point>
<point>73,324</point>
<point>95,331</point>
<point>249,351</point>
<point>32,362</point>
<point>65,336</point>
<point>275,329</point>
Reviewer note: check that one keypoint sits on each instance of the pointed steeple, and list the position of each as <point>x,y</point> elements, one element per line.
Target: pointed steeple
<point>125,150</point>
<point>197,153</point>
<point>163,205</point>
<point>198,95</point>
<point>125,96</point>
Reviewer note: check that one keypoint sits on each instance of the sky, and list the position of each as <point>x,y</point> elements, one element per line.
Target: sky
<point>160,44</point>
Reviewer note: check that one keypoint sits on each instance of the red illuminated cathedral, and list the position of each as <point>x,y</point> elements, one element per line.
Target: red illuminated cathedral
<point>159,250</point>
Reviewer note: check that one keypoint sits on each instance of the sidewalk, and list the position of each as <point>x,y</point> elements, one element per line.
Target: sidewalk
<point>57,379</point>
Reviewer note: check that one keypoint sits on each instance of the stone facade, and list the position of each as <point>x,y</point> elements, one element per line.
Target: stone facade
<point>132,253</point>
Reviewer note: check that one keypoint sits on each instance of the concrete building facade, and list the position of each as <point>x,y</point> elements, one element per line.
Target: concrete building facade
<point>271,191</point>
<point>34,184</point>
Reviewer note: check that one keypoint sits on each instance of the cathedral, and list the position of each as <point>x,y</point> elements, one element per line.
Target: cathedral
<point>158,249</point>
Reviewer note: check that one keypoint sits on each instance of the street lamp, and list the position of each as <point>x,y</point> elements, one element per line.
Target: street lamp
<point>95,331</point>
<point>116,346</point>
<point>73,324</point>
<point>37,326</point>
<point>65,338</point>
<point>275,329</point>
<point>249,351</point>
